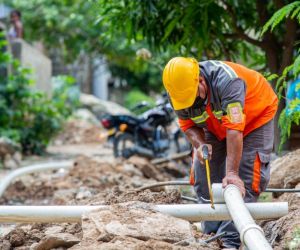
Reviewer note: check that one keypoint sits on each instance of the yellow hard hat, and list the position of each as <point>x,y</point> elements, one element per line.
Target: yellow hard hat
<point>181,80</point>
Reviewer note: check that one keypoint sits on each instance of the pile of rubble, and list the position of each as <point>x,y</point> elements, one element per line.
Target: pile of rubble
<point>128,220</point>
<point>285,232</point>
<point>89,181</point>
<point>121,225</point>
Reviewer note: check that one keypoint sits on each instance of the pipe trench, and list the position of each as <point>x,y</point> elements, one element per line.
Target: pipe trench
<point>242,214</point>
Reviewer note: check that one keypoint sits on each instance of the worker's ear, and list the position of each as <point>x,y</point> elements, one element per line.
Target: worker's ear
<point>201,79</point>
<point>202,87</point>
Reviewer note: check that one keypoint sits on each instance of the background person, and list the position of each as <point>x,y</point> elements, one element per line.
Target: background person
<point>16,29</point>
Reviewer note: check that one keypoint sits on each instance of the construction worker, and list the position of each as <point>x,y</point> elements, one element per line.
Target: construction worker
<point>230,109</point>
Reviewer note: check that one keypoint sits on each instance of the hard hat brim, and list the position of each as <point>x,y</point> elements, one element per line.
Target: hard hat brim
<point>188,102</point>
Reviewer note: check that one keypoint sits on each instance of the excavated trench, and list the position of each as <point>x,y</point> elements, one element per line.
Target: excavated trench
<point>94,181</point>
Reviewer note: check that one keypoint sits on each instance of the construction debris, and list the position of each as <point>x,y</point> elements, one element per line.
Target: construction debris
<point>77,131</point>
<point>93,180</point>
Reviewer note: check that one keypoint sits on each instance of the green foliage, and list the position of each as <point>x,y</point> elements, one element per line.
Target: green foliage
<point>28,116</point>
<point>185,27</point>
<point>290,10</point>
<point>291,114</point>
<point>73,28</point>
<point>136,96</point>
<point>64,24</point>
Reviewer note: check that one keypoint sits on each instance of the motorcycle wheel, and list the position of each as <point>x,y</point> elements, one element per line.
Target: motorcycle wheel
<point>123,144</point>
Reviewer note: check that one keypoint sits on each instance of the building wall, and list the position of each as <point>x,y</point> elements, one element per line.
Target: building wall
<point>32,58</point>
<point>101,77</point>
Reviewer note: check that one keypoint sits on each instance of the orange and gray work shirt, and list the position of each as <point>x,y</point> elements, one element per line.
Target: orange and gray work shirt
<point>238,98</point>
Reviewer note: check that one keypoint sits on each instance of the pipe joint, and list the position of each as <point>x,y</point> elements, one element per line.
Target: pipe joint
<point>248,227</point>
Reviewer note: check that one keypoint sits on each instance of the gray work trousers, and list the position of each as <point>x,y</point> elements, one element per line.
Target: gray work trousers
<point>254,171</point>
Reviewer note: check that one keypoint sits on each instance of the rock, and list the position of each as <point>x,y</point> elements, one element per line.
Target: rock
<point>54,230</point>
<point>33,246</point>
<point>100,107</point>
<point>16,237</point>
<point>8,146</point>
<point>148,170</point>
<point>174,169</point>
<point>86,115</point>
<point>5,245</point>
<point>9,162</point>
<point>292,198</point>
<point>22,248</point>
<point>284,232</point>
<point>131,170</point>
<point>56,240</point>
<point>285,171</point>
<point>128,243</point>
<point>63,196</point>
<point>9,155</point>
<point>83,193</point>
<point>36,235</point>
<point>128,220</point>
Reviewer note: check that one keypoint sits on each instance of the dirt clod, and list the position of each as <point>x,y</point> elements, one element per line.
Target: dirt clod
<point>168,197</point>
<point>57,240</point>
<point>16,237</point>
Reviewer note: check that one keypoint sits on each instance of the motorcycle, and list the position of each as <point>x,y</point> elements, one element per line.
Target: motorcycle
<point>112,122</point>
<point>147,135</point>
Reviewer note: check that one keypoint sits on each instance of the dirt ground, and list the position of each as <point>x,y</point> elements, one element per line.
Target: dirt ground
<point>98,179</point>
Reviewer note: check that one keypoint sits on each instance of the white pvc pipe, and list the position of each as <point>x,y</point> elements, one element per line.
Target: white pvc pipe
<point>251,234</point>
<point>5,182</point>
<point>218,193</point>
<point>199,212</point>
<point>190,212</point>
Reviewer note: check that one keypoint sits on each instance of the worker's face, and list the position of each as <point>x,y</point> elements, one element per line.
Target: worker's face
<point>201,95</point>
<point>202,89</point>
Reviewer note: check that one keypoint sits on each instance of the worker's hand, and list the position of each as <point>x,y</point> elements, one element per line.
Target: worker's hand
<point>232,178</point>
<point>200,152</point>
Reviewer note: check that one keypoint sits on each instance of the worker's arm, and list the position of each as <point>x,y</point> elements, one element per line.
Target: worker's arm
<point>233,98</point>
<point>234,144</point>
<point>195,136</point>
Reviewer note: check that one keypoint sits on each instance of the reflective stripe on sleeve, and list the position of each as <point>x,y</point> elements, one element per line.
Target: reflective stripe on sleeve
<point>201,118</point>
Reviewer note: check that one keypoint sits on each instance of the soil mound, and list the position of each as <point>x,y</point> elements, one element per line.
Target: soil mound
<point>285,171</point>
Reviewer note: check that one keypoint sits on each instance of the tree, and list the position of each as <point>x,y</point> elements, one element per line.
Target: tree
<point>291,114</point>
<point>65,24</point>
<point>226,29</point>
<point>72,28</point>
